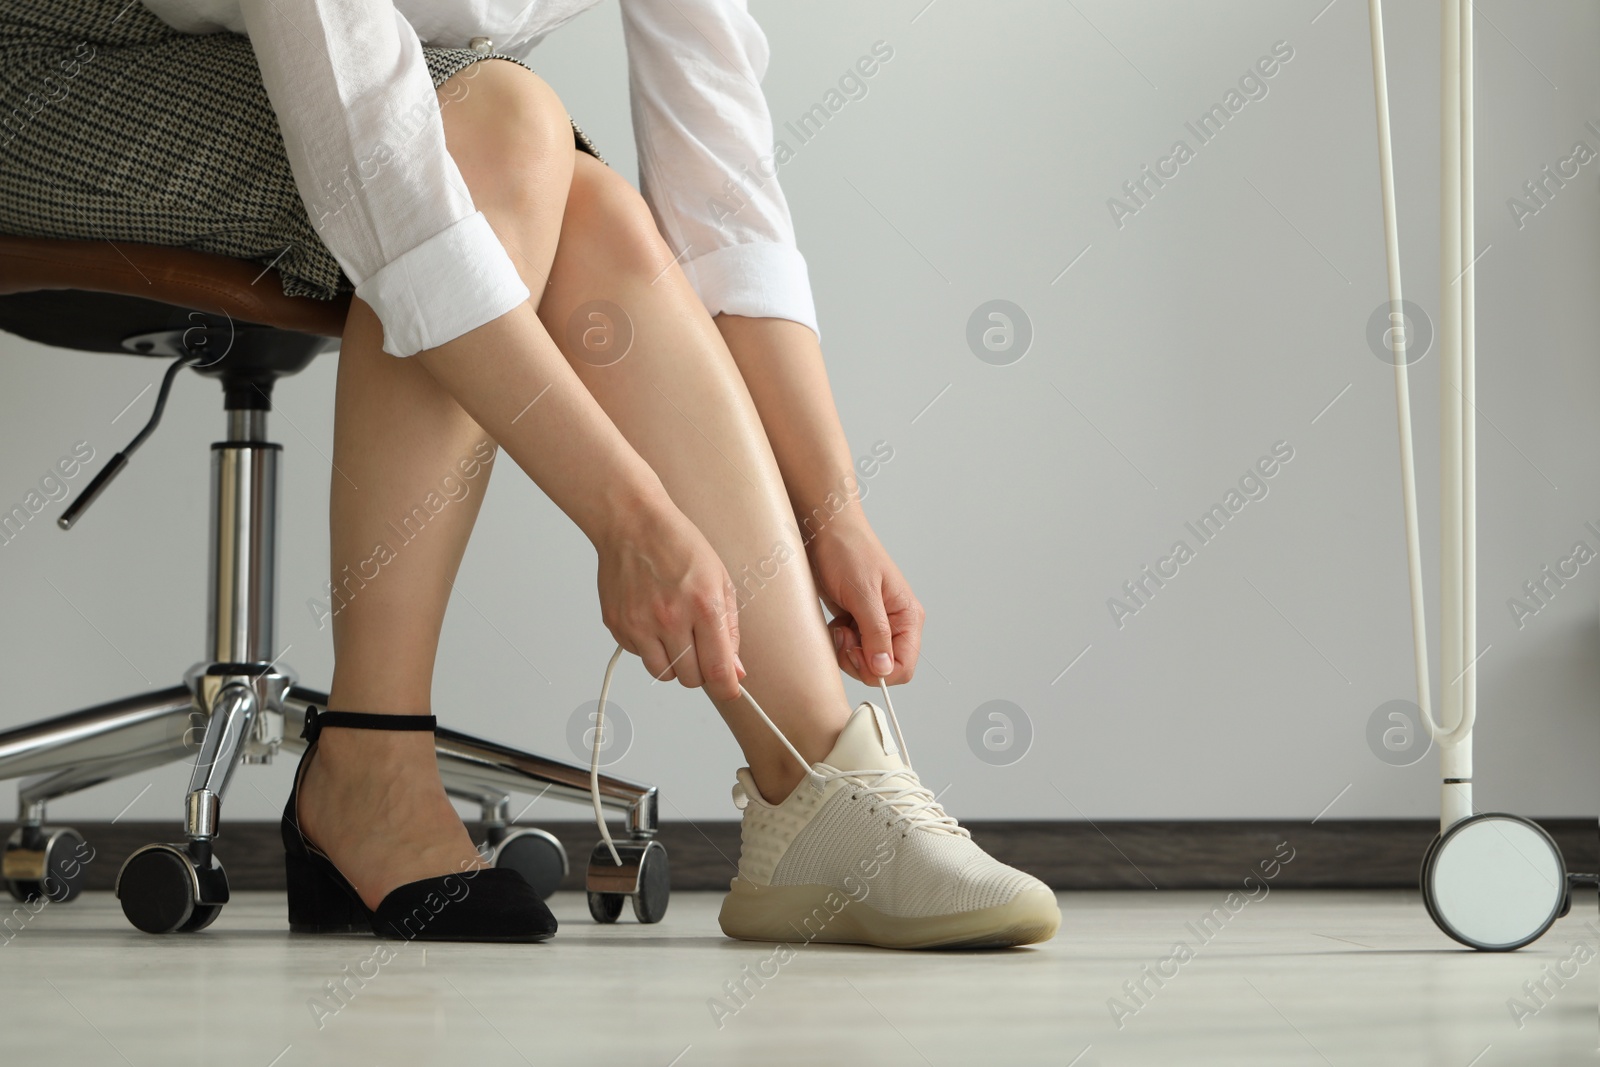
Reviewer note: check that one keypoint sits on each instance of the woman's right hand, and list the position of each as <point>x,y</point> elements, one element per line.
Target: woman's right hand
<point>666,597</point>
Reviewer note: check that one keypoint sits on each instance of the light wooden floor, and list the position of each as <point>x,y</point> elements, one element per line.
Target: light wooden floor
<point>1293,978</point>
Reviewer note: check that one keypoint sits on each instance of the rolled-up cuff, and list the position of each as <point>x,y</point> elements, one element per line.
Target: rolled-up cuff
<point>452,283</point>
<point>762,280</point>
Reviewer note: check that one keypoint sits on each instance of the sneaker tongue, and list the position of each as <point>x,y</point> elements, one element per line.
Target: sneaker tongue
<point>867,743</point>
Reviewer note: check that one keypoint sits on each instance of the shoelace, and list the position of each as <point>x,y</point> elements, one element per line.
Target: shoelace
<point>912,804</point>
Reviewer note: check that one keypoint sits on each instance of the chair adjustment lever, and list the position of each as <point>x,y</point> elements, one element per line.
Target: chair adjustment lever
<point>92,491</point>
<point>118,462</point>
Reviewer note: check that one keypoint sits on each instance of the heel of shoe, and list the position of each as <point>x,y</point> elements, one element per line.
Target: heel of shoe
<point>318,903</point>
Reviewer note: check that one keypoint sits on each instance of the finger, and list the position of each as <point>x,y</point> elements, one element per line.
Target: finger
<point>685,663</point>
<point>715,653</point>
<point>906,622</point>
<point>844,623</point>
<point>656,660</point>
<point>842,657</point>
<point>872,623</point>
<point>846,666</point>
<point>628,644</point>
<point>858,667</point>
<point>846,643</point>
<point>730,620</point>
<point>844,634</point>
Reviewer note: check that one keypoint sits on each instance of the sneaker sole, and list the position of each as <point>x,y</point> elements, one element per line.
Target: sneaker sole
<point>804,913</point>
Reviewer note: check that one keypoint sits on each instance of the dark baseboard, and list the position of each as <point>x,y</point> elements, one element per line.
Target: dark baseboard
<point>1330,854</point>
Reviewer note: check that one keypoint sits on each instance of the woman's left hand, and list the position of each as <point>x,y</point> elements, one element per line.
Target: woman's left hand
<point>877,621</point>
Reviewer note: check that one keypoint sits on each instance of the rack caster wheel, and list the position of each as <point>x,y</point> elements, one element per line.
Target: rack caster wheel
<point>534,854</point>
<point>166,890</point>
<point>45,862</point>
<point>1495,882</point>
<point>644,877</point>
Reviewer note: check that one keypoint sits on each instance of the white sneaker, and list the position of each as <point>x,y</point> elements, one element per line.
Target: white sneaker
<point>861,853</point>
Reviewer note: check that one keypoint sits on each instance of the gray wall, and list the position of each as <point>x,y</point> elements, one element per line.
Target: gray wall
<point>1224,316</point>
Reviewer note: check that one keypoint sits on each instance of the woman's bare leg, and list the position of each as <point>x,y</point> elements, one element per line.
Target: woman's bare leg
<point>409,476</point>
<point>679,399</point>
<point>371,799</point>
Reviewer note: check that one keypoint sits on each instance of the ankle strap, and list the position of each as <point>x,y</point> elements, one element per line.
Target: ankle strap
<point>316,721</point>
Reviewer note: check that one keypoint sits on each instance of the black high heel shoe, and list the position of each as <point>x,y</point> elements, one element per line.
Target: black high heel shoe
<point>479,904</point>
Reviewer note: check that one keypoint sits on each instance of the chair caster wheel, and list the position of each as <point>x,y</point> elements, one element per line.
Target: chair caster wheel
<point>644,877</point>
<point>650,902</point>
<point>605,907</point>
<point>534,854</point>
<point>204,915</point>
<point>165,890</point>
<point>45,862</point>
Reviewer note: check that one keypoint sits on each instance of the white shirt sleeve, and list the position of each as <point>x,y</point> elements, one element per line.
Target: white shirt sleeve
<point>361,124</point>
<point>706,164</point>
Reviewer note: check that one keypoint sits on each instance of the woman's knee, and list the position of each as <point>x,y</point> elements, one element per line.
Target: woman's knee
<point>508,133</point>
<point>608,222</point>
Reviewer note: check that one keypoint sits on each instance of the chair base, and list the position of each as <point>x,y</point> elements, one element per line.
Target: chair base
<point>227,714</point>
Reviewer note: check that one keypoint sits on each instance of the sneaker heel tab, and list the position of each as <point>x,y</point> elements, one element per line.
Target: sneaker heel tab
<point>745,789</point>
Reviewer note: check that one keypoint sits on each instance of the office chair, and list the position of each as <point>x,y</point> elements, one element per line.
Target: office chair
<point>229,320</point>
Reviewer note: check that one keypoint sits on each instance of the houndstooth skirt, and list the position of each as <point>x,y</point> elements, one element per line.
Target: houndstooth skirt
<point>113,125</point>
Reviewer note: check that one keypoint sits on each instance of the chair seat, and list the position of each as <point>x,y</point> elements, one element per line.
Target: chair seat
<point>180,277</point>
